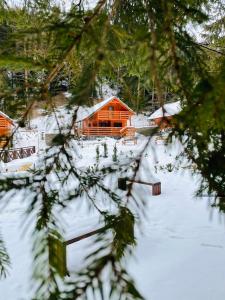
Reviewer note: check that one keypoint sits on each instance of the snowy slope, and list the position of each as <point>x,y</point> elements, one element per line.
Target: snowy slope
<point>139,121</point>
<point>52,122</point>
<point>180,254</point>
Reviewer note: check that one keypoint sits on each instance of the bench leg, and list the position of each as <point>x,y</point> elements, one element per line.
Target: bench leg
<point>122,184</point>
<point>156,189</point>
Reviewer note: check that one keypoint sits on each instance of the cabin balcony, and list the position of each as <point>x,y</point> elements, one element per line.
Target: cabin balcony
<point>109,131</point>
<point>102,131</point>
<point>113,115</point>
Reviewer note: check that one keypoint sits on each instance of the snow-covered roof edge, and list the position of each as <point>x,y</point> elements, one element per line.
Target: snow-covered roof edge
<point>7,117</point>
<point>170,109</point>
<point>101,104</point>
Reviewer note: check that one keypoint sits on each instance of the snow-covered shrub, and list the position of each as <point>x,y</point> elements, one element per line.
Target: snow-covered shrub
<point>105,148</point>
<point>114,156</point>
<point>97,154</point>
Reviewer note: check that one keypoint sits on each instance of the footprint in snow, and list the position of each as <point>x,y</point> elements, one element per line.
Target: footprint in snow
<point>211,245</point>
<point>177,237</point>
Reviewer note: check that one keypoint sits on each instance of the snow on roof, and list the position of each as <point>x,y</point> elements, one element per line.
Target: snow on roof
<point>91,110</point>
<point>170,110</point>
<point>6,117</point>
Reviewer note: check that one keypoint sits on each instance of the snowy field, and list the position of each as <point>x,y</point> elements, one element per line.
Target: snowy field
<point>180,253</point>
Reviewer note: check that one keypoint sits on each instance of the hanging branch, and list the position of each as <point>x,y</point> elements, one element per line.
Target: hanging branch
<point>209,48</point>
<point>153,55</point>
<point>76,40</point>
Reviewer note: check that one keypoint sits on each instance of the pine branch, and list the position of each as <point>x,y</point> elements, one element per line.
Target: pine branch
<point>4,259</point>
<point>76,40</point>
<point>210,49</point>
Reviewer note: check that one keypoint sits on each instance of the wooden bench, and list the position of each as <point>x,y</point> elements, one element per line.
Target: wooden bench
<point>127,140</point>
<point>156,186</point>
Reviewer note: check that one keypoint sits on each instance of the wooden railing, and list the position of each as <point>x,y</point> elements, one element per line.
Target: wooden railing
<point>101,131</point>
<point>11,154</point>
<point>109,131</point>
<point>113,115</point>
<point>128,132</point>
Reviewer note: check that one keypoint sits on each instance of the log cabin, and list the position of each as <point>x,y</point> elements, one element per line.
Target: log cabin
<point>111,117</point>
<point>163,117</point>
<point>6,127</point>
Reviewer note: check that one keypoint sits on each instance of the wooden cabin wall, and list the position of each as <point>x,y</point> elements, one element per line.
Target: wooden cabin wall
<point>164,122</point>
<point>5,126</point>
<point>93,120</point>
<point>117,106</point>
<point>5,132</point>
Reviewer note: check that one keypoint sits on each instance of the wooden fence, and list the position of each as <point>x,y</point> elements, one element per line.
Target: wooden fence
<point>102,131</point>
<point>11,154</point>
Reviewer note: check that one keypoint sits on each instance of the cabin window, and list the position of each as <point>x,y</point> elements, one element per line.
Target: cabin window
<point>111,108</point>
<point>117,124</point>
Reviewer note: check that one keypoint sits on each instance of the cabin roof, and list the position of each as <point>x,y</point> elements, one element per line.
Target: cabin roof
<point>92,110</point>
<point>170,110</point>
<point>6,117</point>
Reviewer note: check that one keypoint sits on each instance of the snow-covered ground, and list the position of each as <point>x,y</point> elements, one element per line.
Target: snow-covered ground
<point>28,138</point>
<point>180,252</point>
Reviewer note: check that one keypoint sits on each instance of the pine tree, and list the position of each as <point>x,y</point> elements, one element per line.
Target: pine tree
<point>146,40</point>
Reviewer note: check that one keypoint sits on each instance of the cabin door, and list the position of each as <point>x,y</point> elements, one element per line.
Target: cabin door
<point>105,124</point>
<point>117,124</point>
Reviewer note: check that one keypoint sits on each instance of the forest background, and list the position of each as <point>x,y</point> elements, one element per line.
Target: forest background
<point>146,51</point>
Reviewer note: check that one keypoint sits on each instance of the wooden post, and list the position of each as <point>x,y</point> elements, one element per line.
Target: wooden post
<point>122,183</point>
<point>57,255</point>
<point>14,154</point>
<point>6,158</point>
<point>156,189</point>
<point>21,153</point>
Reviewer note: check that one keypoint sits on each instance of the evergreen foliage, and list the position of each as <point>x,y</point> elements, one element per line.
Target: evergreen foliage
<point>4,259</point>
<point>142,46</point>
